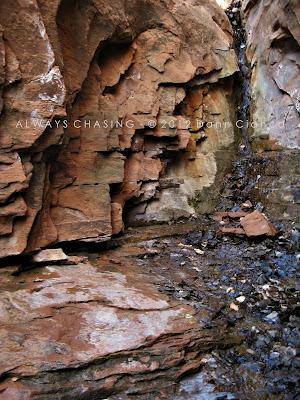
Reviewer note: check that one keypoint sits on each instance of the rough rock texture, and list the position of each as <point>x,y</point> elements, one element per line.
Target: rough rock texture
<point>273,52</point>
<point>49,255</point>
<point>252,224</point>
<point>70,71</point>
<point>257,224</point>
<point>88,331</point>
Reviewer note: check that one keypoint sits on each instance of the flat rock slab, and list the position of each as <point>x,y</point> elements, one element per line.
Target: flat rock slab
<point>250,224</point>
<point>257,224</point>
<point>49,255</point>
<point>73,332</point>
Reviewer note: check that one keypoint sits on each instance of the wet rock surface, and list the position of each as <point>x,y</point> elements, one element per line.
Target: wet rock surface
<point>133,321</point>
<point>207,309</point>
<point>273,57</point>
<point>250,288</point>
<point>95,328</point>
<point>273,52</point>
<point>267,44</point>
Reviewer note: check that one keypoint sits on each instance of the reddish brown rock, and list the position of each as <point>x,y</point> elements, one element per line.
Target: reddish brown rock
<point>83,87</point>
<point>232,230</point>
<point>257,224</point>
<point>116,218</point>
<point>81,331</point>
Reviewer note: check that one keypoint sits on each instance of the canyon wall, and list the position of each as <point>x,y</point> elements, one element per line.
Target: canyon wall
<point>124,113</point>
<point>273,54</point>
<point>110,112</point>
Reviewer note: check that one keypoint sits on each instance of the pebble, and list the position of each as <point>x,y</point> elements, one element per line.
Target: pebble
<point>241,299</point>
<point>259,206</point>
<point>266,287</point>
<point>254,329</point>
<point>198,251</point>
<point>234,307</point>
<point>273,334</point>
<point>252,366</point>
<point>272,317</point>
<point>174,257</point>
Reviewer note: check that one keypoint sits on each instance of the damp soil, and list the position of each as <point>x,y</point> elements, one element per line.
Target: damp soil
<point>247,288</point>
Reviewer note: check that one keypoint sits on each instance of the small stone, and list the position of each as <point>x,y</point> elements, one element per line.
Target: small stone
<point>272,317</point>
<point>187,246</point>
<point>266,287</point>
<point>198,251</point>
<point>241,299</point>
<point>273,334</point>
<point>247,204</point>
<point>234,307</point>
<point>254,329</point>
<point>261,279</point>
<point>174,257</point>
<point>259,206</point>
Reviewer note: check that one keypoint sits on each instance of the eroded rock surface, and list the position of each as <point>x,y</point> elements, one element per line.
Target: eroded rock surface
<point>69,72</point>
<point>273,53</point>
<point>94,330</point>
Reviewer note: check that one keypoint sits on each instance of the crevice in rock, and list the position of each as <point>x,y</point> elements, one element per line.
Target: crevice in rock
<point>240,183</point>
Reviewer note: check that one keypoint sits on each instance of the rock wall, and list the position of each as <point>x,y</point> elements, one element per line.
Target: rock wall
<point>273,52</point>
<point>108,113</point>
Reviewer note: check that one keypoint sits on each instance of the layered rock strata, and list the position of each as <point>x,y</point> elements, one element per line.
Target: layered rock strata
<point>110,111</point>
<point>90,331</point>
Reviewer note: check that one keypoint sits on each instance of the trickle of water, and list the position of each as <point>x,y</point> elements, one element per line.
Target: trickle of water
<point>245,105</point>
<point>241,46</point>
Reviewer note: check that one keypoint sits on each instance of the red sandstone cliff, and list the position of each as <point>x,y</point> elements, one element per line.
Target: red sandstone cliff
<point>65,62</point>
